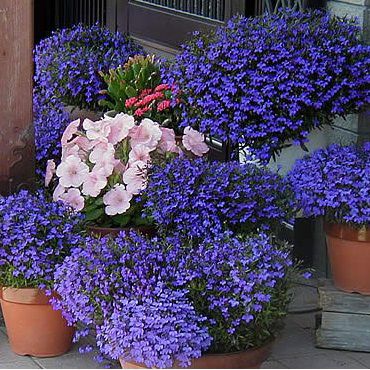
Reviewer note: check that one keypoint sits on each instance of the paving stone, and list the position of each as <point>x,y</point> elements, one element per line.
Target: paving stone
<point>362,357</point>
<point>304,320</point>
<point>9,360</point>
<point>292,341</point>
<point>322,361</point>
<point>272,364</point>
<point>70,361</point>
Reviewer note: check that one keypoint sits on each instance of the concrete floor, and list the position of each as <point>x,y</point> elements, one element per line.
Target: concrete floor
<point>295,347</point>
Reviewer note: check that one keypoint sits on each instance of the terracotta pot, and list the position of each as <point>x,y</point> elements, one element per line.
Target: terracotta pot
<point>102,231</point>
<point>250,359</point>
<point>78,113</point>
<point>33,327</point>
<point>349,255</point>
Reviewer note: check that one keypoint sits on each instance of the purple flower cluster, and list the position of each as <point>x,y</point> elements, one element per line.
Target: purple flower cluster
<point>199,198</point>
<point>163,302</point>
<point>334,182</point>
<point>35,235</point>
<point>240,285</point>
<point>68,62</point>
<point>121,289</point>
<point>50,121</point>
<point>262,81</point>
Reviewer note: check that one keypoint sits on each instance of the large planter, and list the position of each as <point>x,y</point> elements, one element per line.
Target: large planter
<point>33,327</point>
<point>103,231</point>
<point>250,359</point>
<point>349,255</point>
<point>78,113</point>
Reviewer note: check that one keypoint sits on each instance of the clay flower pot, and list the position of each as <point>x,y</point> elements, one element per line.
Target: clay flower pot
<point>250,359</point>
<point>33,327</point>
<point>103,231</point>
<point>78,113</point>
<point>349,255</point>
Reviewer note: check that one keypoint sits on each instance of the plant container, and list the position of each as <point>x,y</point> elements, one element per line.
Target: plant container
<point>250,359</point>
<point>113,231</point>
<point>33,327</point>
<point>349,255</point>
<point>78,113</point>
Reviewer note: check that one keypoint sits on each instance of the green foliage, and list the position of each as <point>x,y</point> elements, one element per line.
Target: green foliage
<point>138,74</point>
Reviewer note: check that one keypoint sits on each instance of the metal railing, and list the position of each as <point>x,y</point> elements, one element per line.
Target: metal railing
<point>272,6</point>
<point>212,9</point>
<point>69,12</point>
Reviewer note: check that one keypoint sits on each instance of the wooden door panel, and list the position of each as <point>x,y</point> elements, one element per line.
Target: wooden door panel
<point>17,159</point>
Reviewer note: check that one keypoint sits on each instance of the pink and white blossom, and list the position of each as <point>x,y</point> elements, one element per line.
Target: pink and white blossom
<point>70,131</point>
<point>106,164</point>
<point>95,182</point>
<point>117,200</point>
<point>147,133</point>
<point>72,172</point>
<point>135,177</point>
<point>193,141</point>
<point>168,140</point>
<point>74,199</point>
<point>120,127</point>
<point>100,150</point>
<point>96,130</point>
<point>50,171</point>
<point>58,192</point>
<point>139,153</point>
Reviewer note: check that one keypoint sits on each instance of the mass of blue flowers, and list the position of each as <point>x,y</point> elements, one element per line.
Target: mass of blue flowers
<point>334,182</point>
<point>35,236</point>
<point>68,62</point>
<point>198,197</point>
<point>264,81</point>
<point>67,66</point>
<point>163,302</point>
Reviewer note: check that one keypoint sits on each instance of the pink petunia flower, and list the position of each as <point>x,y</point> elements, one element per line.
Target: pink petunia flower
<point>193,140</point>
<point>106,164</point>
<point>100,150</point>
<point>74,199</point>
<point>70,130</point>
<point>50,171</point>
<point>117,200</point>
<point>95,182</point>
<point>120,127</point>
<point>98,129</point>
<point>139,153</point>
<point>72,172</point>
<point>58,192</point>
<point>147,133</point>
<point>135,177</point>
<point>168,140</point>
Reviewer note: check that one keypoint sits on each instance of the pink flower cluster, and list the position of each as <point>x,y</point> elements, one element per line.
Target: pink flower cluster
<point>150,100</point>
<point>110,159</point>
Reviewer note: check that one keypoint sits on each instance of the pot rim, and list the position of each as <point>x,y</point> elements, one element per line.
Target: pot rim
<point>263,348</point>
<point>347,232</point>
<point>27,296</point>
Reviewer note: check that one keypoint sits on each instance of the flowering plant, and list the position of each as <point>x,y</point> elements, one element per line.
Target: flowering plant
<point>138,89</point>
<point>105,166</point>
<point>161,302</point>
<point>68,62</point>
<point>199,198</point>
<point>335,183</point>
<point>35,235</point>
<point>260,82</point>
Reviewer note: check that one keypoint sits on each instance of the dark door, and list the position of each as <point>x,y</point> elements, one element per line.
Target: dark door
<point>166,24</point>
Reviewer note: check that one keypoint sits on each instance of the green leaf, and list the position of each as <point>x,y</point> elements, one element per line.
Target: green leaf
<point>94,214</point>
<point>121,220</point>
<point>130,91</point>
